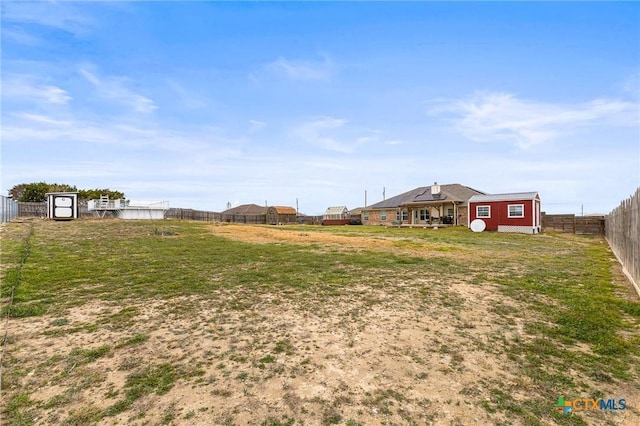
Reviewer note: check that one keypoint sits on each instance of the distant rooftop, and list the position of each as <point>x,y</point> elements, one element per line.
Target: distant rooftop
<point>247,210</point>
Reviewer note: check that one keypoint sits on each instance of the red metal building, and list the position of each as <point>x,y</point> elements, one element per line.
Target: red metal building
<point>514,212</point>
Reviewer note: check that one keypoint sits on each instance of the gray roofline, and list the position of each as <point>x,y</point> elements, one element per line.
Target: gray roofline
<point>509,196</point>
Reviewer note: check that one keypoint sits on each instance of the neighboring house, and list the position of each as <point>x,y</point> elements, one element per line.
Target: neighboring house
<point>514,212</point>
<point>277,215</point>
<point>253,213</point>
<point>336,216</point>
<point>426,205</point>
<point>247,209</point>
<point>246,213</point>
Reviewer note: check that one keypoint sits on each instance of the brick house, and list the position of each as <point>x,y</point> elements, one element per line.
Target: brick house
<point>424,206</point>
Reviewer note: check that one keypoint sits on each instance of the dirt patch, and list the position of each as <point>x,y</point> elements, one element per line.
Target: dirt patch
<point>271,235</point>
<point>263,235</point>
<point>421,351</point>
<point>393,362</point>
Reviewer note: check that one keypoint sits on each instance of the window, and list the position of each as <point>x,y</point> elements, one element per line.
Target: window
<point>449,212</point>
<point>516,210</point>
<point>401,215</point>
<point>424,214</point>
<point>483,211</point>
<point>383,215</point>
<point>366,215</point>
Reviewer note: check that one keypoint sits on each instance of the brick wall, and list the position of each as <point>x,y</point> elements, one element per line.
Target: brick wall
<point>375,219</point>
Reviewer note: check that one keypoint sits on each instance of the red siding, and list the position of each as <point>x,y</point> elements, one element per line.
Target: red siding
<point>500,213</point>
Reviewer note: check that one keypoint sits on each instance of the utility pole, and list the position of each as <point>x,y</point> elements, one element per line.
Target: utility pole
<point>582,210</point>
<point>384,191</point>
<point>365,198</point>
<point>297,210</point>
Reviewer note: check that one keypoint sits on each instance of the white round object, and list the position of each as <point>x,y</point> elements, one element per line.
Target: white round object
<point>478,225</point>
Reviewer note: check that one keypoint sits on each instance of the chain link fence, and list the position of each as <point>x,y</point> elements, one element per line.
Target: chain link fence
<point>8,209</point>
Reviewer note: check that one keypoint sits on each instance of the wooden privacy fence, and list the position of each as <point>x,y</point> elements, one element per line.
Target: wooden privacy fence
<point>39,209</point>
<point>190,214</point>
<point>32,209</point>
<point>622,231</point>
<point>260,219</point>
<point>570,223</point>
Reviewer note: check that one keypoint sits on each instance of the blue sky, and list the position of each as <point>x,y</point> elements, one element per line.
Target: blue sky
<point>204,104</point>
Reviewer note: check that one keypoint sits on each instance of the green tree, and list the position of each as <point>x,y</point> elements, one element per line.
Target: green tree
<point>17,191</point>
<point>37,191</point>
<point>94,194</point>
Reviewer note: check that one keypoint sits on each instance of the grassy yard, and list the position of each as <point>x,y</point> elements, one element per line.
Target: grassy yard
<point>169,322</point>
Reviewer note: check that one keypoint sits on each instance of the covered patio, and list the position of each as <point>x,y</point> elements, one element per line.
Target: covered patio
<point>431,213</point>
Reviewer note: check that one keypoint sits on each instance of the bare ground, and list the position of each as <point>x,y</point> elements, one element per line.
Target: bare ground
<point>369,357</point>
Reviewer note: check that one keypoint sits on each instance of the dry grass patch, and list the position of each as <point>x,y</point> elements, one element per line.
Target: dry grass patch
<point>255,325</point>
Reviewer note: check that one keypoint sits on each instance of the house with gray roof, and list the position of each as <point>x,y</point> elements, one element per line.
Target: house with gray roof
<point>247,209</point>
<point>423,206</point>
<point>246,213</point>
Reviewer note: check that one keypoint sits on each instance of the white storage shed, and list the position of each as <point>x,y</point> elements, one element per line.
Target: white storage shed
<point>62,205</point>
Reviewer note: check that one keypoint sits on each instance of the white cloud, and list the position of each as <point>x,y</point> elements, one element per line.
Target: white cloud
<point>339,135</point>
<point>302,70</point>
<point>43,119</point>
<point>186,98</point>
<point>19,36</point>
<point>256,125</point>
<point>90,77</point>
<point>490,117</point>
<point>631,85</point>
<point>22,87</point>
<point>65,16</point>
<point>115,88</point>
<point>118,133</point>
<point>322,132</point>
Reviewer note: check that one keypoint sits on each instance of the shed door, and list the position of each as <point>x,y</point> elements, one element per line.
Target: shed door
<point>63,207</point>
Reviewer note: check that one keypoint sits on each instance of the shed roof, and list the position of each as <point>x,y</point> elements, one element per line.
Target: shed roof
<point>284,210</point>
<point>247,209</point>
<point>511,196</point>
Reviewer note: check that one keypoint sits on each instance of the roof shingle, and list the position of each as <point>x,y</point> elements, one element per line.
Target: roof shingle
<point>448,192</point>
<point>247,209</point>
